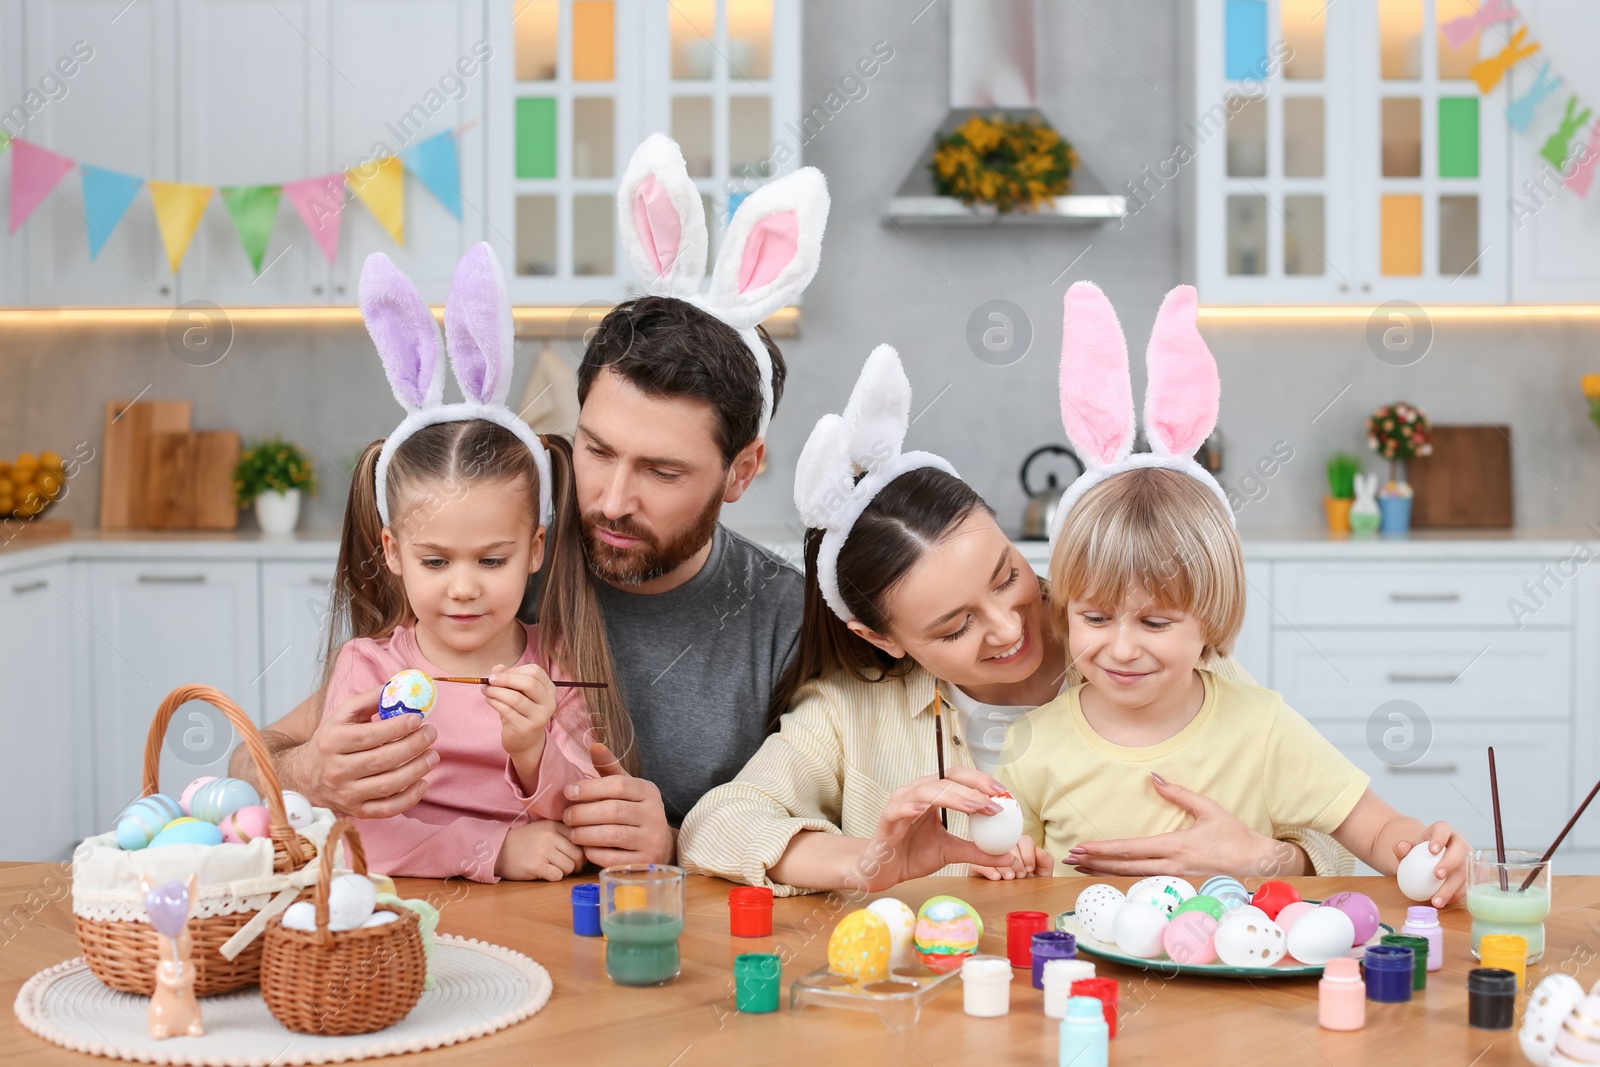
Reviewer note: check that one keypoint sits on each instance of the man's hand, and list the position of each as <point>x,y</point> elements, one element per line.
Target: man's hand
<point>360,767</point>
<point>617,818</point>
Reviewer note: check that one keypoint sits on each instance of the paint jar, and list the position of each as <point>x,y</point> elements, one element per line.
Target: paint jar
<point>1050,945</point>
<point>1085,1035</point>
<point>586,909</point>
<point>1388,972</point>
<point>1105,990</point>
<point>1506,952</point>
<point>750,911</point>
<point>1423,921</point>
<point>1058,978</point>
<point>986,986</point>
<point>756,977</point>
<point>1020,928</point>
<point>1419,957</point>
<point>1341,997</point>
<point>1491,998</point>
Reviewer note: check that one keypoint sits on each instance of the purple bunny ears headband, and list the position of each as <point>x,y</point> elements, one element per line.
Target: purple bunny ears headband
<point>866,439</point>
<point>769,252</point>
<point>477,325</point>
<point>1182,393</point>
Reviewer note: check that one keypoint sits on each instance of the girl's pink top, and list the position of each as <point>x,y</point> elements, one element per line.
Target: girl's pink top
<point>474,796</point>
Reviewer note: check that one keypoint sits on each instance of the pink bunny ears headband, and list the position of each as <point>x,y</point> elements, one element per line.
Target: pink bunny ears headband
<point>769,253</point>
<point>477,325</point>
<point>866,438</point>
<point>1182,393</point>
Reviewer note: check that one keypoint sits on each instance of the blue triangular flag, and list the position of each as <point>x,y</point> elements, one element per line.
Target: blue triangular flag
<point>106,196</point>
<point>434,161</point>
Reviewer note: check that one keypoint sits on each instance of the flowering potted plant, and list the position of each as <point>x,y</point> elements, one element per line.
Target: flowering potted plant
<point>1398,432</point>
<point>1591,391</point>
<point>270,474</point>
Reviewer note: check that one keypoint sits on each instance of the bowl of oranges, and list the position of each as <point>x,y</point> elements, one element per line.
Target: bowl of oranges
<point>29,484</point>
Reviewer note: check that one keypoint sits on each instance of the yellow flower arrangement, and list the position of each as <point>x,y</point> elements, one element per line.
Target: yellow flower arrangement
<point>1009,163</point>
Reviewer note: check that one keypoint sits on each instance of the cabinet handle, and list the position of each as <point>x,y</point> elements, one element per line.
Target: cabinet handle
<point>339,289</point>
<point>1424,768</point>
<point>1423,679</point>
<point>29,587</point>
<point>317,289</point>
<point>172,579</point>
<point>1425,598</point>
<point>166,290</point>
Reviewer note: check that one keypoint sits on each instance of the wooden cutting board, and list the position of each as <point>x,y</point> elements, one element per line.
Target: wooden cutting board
<point>1467,480</point>
<point>190,481</point>
<point>124,476</point>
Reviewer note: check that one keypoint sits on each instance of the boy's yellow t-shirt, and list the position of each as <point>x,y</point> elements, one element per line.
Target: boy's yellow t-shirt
<point>1246,749</point>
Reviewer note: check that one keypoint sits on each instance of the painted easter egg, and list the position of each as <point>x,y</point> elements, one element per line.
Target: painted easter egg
<point>1415,874</point>
<point>1226,888</point>
<point>351,898</point>
<point>858,948</point>
<point>246,824</point>
<point>189,791</point>
<point>902,923</point>
<point>1272,897</point>
<point>1097,909</point>
<point>146,817</point>
<point>298,808</point>
<point>1162,890</point>
<point>1579,1038</point>
<point>407,693</point>
<point>1291,914</point>
<point>216,800</point>
<point>1321,934</point>
<point>999,833</point>
<point>1551,1001</point>
<point>948,928</point>
<point>1244,940</point>
<point>1139,928</point>
<point>1191,937</point>
<point>187,831</point>
<point>1363,912</point>
<point>1209,905</point>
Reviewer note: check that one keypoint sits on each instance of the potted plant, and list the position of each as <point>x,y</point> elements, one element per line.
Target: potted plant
<point>1342,471</point>
<point>1398,432</point>
<point>271,474</point>
<point>1591,392</point>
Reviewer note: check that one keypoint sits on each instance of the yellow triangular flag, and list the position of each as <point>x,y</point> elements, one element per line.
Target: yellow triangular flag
<point>178,210</point>
<point>381,186</point>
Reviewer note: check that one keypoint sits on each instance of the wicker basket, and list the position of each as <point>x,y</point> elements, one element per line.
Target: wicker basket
<point>343,981</point>
<point>122,954</point>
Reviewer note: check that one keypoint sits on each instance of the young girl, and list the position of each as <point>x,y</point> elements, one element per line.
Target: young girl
<point>447,520</point>
<point>1148,578</point>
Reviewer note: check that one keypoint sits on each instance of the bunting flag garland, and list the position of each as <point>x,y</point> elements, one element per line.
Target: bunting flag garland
<point>1583,171</point>
<point>1558,146</point>
<point>34,172</point>
<point>436,164</point>
<point>1458,32</point>
<point>1520,111</point>
<point>1489,72</point>
<point>318,202</point>
<point>179,206</point>
<point>380,185</point>
<point>253,208</point>
<point>106,197</point>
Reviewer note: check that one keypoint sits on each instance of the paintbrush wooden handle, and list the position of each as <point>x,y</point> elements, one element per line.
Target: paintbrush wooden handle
<point>558,682</point>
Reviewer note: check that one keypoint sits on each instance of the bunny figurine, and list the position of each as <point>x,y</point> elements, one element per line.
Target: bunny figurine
<point>174,1010</point>
<point>1364,515</point>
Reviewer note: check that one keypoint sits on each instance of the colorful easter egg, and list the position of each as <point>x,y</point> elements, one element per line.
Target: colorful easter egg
<point>247,824</point>
<point>1191,937</point>
<point>216,800</point>
<point>1097,909</point>
<point>185,830</point>
<point>1363,912</point>
<point>948,929</point>
<point>407,693</point>
<point>902,922</point>
<point>187,796</point>
<point>1209,905</point>
<point>1247,940</point>
<point>142,820</point>
<point>1163,891</point>
<point>858,948</point>
<point>1227,889</point>
<point>298,808</point>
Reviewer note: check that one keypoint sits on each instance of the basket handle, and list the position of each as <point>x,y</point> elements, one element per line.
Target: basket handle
<point>295,851</point>
<point>343,828</point>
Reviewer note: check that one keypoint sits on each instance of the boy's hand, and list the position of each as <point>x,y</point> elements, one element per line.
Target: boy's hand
<point>526,700</point>
<point>1452,849</point>
<point>1026,860</point>
<point>538,850</point>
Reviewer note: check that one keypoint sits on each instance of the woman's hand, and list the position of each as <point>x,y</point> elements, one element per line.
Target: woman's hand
<point>910,842</point>
<point>1026,859</point>
<point>1217,843</point>
<point>1452,849</point>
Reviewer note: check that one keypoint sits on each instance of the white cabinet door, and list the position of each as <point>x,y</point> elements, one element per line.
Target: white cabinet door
<point>254,109</point>
<point>118,111</point>
<point>396,82</point>
<point>45,754</point>
<point>1254,647</point>
<point>160,624</point>
<point>294,631</point>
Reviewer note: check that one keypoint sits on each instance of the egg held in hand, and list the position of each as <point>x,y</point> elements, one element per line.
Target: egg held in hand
<point>410,692</point>
<point>999,833</point>
<point>1415,874</point>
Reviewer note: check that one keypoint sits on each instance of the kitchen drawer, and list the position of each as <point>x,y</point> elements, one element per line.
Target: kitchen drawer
<point>1408,594</point>
<point>1484,675</point>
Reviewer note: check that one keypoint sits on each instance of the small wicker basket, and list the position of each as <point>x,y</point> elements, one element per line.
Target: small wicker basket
<point>340,982</point>
<point>122,954</point>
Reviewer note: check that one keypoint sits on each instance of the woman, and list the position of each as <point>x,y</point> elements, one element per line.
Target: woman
<point>932,607</point>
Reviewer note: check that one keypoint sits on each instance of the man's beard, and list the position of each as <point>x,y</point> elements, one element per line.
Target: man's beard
<point>648,559</point>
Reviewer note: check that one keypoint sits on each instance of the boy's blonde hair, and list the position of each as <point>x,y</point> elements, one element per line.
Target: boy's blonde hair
<point>1160,532</point>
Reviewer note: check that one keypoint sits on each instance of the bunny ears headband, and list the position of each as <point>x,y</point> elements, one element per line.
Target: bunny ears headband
<point>769,253</point>
<point>1182,393</point>
<point>477,325</point>
<point>866,438</point>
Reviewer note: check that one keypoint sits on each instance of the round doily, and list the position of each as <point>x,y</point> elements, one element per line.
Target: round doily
<point>479,988</point>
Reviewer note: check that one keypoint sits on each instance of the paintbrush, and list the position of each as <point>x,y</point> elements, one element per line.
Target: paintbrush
<point>560,683</point>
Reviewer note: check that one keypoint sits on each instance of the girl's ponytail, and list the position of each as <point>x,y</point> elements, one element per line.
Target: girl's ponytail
<point>570,627</point>
<point>366,599</point>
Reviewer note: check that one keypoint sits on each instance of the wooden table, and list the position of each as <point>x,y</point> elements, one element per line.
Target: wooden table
<point>692,1021</point>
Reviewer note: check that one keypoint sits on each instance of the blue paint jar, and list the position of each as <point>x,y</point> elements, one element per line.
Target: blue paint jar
<point>1050,945</point>
<point>1388,971</point>
<point>586,909</point>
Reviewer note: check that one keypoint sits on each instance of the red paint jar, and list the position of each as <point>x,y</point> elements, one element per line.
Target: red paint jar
<point>750,911</point>
<point>1020,928</point>
<point>1106,992</point>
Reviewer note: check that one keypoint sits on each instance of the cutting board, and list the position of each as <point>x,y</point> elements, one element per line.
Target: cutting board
<point>189,482</point>
<point>1467,480</point>
<point>124,476</point>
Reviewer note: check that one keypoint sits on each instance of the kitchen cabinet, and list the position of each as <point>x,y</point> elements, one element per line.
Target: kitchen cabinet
<point>294,632</point>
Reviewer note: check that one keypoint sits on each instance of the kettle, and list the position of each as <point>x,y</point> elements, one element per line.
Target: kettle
<point>1042,503</point>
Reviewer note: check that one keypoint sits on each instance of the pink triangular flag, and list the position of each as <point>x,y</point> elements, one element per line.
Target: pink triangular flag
<point>1582,174</point>
<point>319,202</point>
<point>34,172</point>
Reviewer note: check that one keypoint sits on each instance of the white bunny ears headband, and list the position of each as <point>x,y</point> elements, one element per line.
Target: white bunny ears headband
<point>769,253</point>
<point>477,325</point>
<point>1182,393</point>
<point>866,438</point>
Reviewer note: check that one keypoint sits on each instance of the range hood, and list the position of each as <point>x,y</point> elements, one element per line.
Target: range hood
<point>994,61</point>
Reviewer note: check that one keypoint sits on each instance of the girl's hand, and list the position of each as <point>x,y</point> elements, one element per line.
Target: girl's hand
<point>526,700</point>
<point>910,843</point>
<point>538,850</point>
<point>1026,859</point>
<point>1452,849</point>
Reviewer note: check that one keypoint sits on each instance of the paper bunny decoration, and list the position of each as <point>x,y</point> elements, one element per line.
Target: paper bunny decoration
<point>1366,495</point>
<point>866,439</point>
<point>769,253</point>
<point>1182,393</point>
<point>477,325</point>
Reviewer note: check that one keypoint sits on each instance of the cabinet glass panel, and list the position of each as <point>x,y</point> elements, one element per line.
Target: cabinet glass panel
<point>1400,39</point>
<point>1401,229</point>
<point>749,39</point>
<point>1458,137</point>
<point>1304,23</point>
<point>693,26</point>
<point>1402,137</point>
<point>535,24</point>
<point>1302,137</point>
<point>749,136</point>
<point>536,137</point>
<point>591,234</point>
<point>1303,226</point>
<point>1245,39</point>
<point>592,137</point>
<point>536,235</point>
<point>1247,137</point>
<point>1456,61</point>
<point>1458,235</point>
<point>593,41</point>
<point>691,128</point>
<point>1247,235</point>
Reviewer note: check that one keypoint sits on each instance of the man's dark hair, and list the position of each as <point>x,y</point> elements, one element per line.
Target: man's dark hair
<point>668,347</point>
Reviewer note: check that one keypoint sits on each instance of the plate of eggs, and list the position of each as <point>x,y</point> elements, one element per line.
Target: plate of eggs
<point>1221,930</point>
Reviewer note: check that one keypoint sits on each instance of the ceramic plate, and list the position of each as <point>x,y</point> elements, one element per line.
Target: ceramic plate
<point>1288,968</point>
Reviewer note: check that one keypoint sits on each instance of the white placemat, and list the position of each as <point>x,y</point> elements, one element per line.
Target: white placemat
<point>479,988</point>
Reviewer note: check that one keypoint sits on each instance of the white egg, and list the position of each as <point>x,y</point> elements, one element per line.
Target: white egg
<point>1139,928</point>
<point>350,901</point>
<point>1163,891</point>
<point>1319,935</point>
<point>902,923</point>
<point>1244,940</point>
<point>1551,1001</point>
<point>379,918</point>
<point>1096,911</point>
<point>301,915</point>
<point>298,809</point>
<point>999,833</point>
<point>1415,873</point>
<point>1252,911</point>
